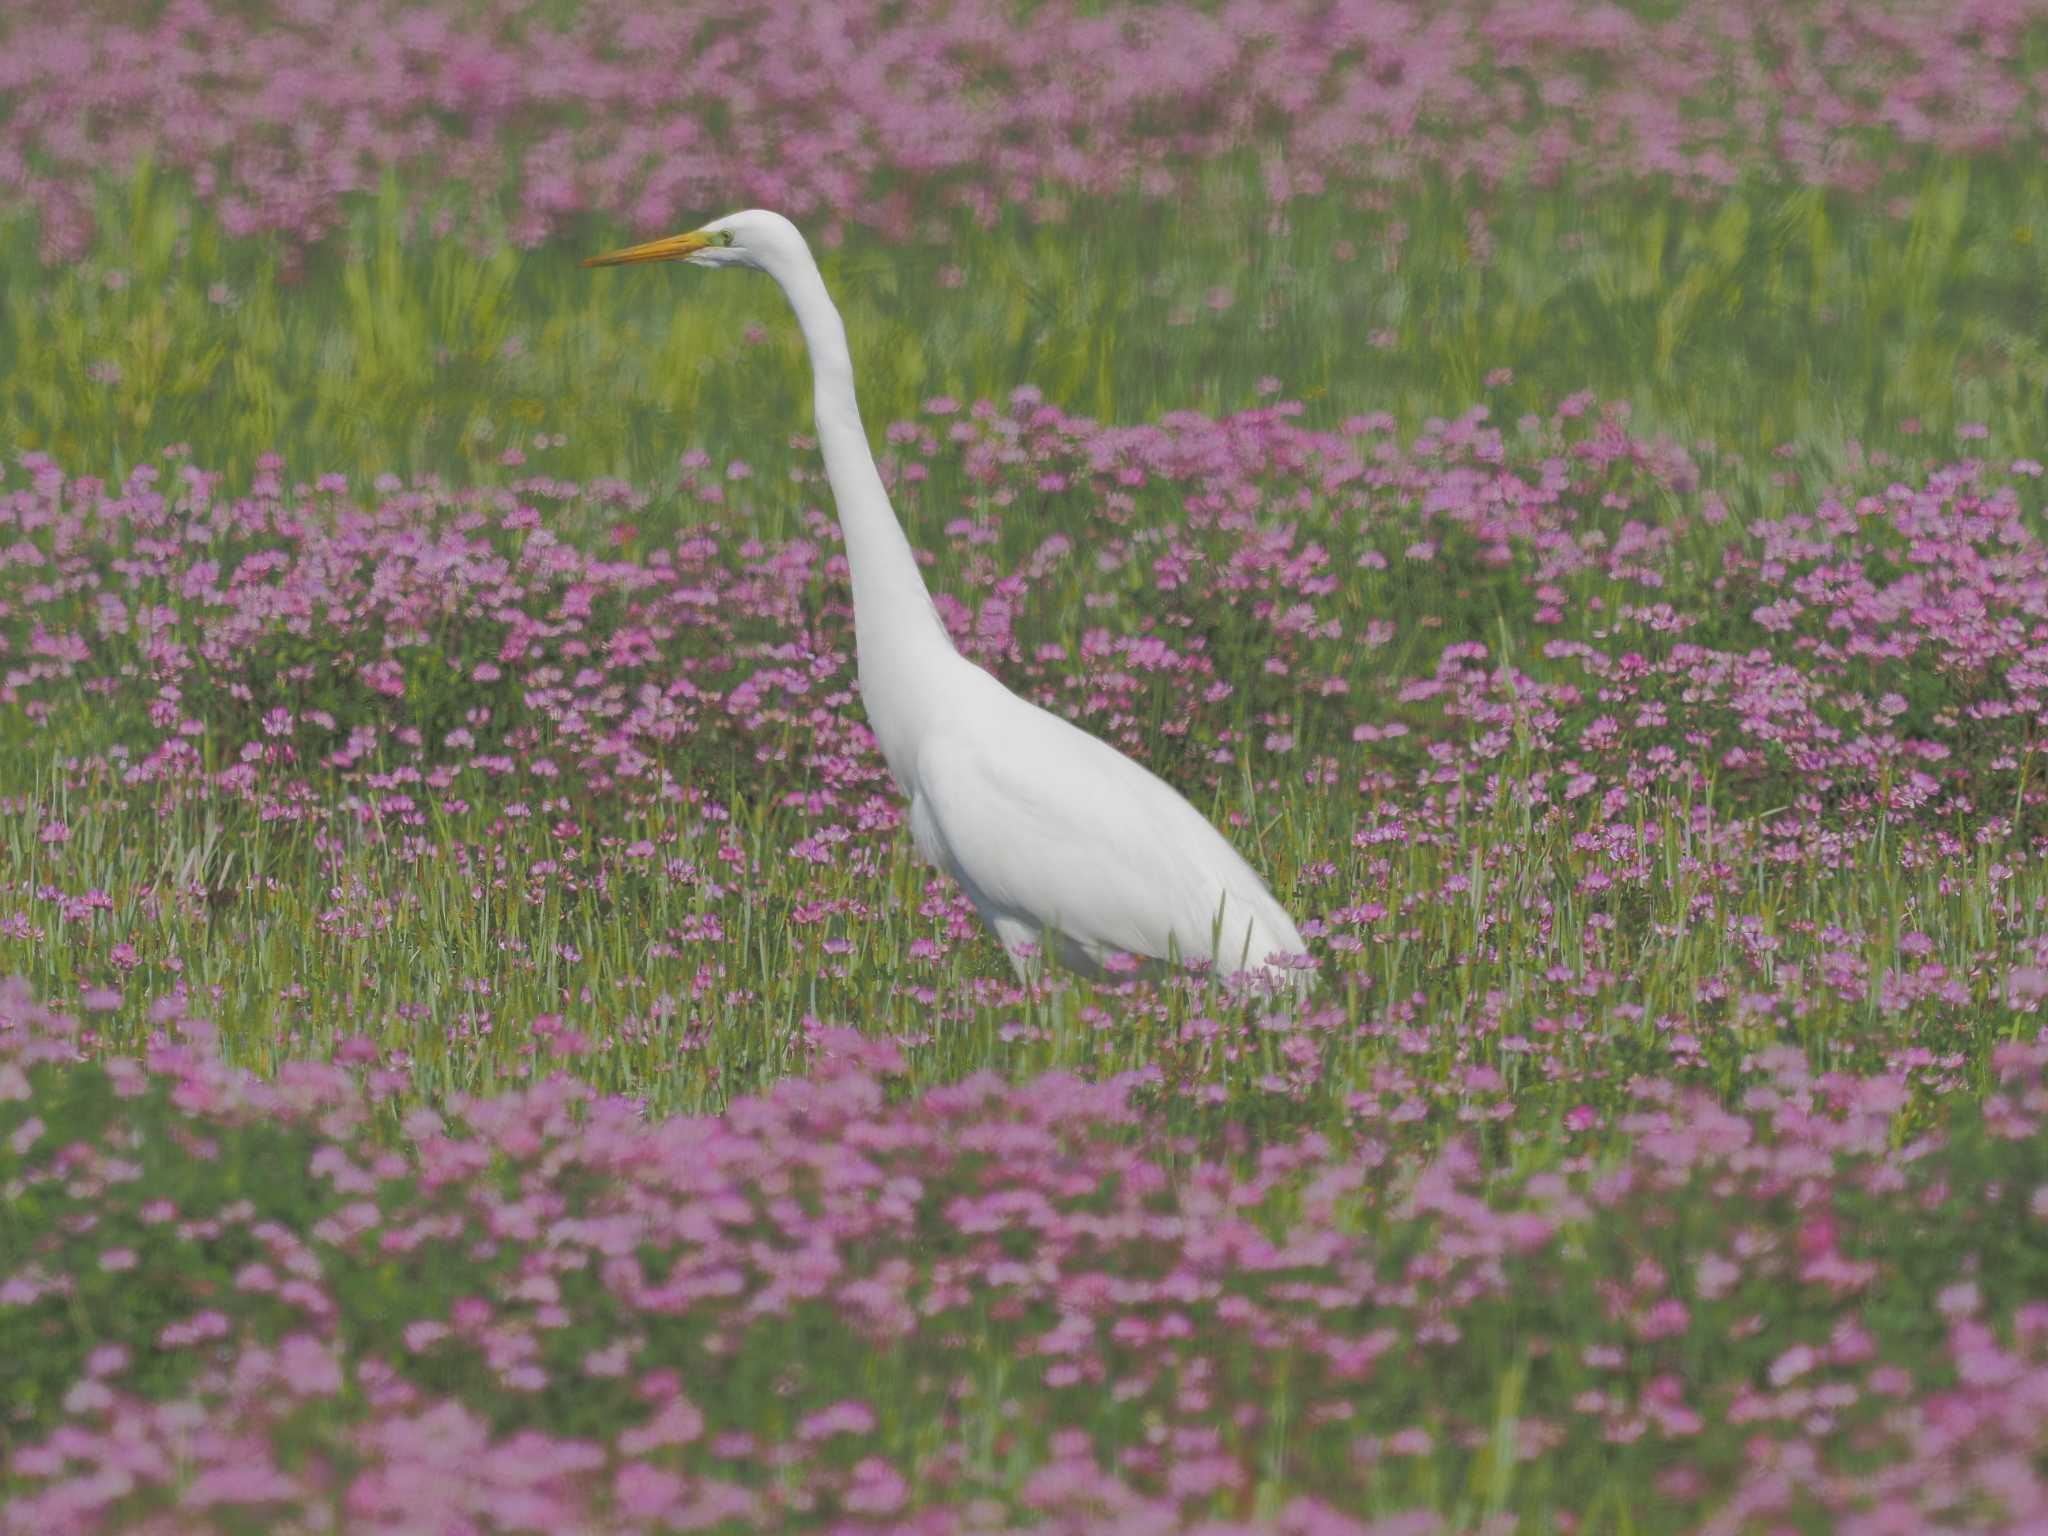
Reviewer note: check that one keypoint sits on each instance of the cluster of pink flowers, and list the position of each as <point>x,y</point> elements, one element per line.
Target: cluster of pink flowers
<point>1704,1259</point>
<point>496,116</point>
<point>1889,628</point>
<point>1869,673</point>
<point>1067,1315</point>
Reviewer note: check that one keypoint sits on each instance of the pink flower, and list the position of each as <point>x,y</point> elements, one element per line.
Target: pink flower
<point>876,1488</point>
<point>644,1492</point>
<point>845,1418</point>
<point>1792,1364</point>
<point>676,1422</point>
<point>2025,986</point>
<point>309,1369</point>
<point>1413,1441</point>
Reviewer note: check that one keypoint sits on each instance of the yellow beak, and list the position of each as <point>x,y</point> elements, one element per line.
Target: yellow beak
<point>669,248</point>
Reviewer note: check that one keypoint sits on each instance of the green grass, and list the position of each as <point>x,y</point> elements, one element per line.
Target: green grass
<point>1776,314</point>
<point>440,947</point>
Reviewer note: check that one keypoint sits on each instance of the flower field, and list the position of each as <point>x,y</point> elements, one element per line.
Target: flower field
<point>1560,485</point>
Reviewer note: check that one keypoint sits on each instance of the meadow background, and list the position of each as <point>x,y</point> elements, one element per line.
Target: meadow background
<point>1561,482</point>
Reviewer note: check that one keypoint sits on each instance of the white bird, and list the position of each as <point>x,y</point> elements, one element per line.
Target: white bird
<point>1066,847</point>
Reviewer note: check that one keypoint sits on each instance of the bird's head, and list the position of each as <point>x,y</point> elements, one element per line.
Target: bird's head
<point>756,238</point>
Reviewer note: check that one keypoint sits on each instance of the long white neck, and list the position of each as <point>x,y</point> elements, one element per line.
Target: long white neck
<point>900,641</point>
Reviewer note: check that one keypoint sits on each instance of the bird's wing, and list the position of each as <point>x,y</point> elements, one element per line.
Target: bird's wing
<point>1044,822</point>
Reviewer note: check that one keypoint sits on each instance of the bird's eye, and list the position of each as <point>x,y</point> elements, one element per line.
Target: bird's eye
<point>718,237</point>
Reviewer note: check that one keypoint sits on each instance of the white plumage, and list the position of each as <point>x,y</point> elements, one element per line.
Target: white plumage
<point>1066,847</point>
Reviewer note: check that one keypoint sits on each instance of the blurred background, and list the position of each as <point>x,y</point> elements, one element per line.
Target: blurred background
<point>347,232</point>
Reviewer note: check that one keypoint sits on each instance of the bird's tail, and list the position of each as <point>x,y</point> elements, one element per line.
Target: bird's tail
<point>1271,948</point>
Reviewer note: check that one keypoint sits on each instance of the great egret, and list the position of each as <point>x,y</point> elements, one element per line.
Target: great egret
<point>1065,846</point>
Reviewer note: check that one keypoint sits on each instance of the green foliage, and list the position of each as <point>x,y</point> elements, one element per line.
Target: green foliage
<point>1776,314</point>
